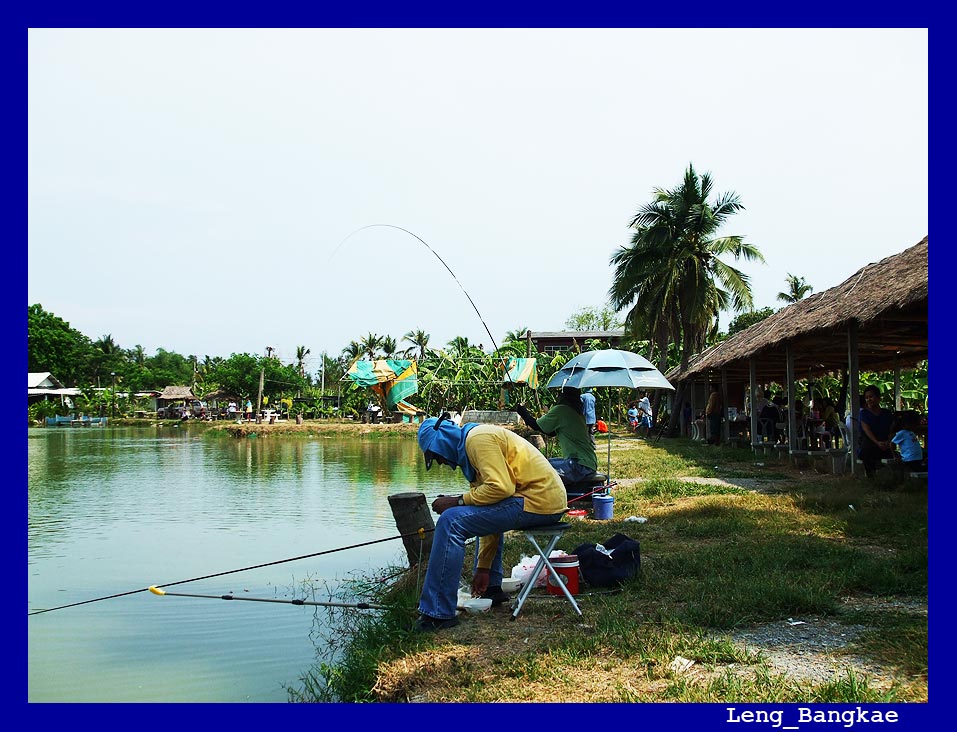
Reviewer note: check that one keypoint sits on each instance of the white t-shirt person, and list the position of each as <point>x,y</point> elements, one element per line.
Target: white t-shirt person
<point>644,411</point>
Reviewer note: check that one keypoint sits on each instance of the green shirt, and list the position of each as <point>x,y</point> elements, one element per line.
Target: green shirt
<point>572,432</point>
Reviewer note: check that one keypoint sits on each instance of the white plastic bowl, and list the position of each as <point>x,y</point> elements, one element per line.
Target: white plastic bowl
<point>477,605</point>
<point>510,585</point>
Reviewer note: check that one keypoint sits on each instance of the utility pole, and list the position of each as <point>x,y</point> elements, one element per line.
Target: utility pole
<point>259,399</point>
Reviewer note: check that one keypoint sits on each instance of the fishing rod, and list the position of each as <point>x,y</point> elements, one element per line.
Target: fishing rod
<point>471,302</point>
<point>358,605</point>
<point>353,605</point>
<point>599,489</point>
<point>420,533</point>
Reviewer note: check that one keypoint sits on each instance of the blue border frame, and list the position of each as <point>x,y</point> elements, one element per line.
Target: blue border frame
<point>700,716</point>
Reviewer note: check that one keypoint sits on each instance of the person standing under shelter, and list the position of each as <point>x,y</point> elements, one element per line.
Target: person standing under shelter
<point>588,411</point>
<point>566,421</point>
<point>760,402</point>
<point>876,425</point>
<point>644,413</point>
<point>713,413</point>
<point>511,486</point>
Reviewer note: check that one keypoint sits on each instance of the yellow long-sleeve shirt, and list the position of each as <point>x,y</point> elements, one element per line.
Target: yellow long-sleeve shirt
<point>508,465</point>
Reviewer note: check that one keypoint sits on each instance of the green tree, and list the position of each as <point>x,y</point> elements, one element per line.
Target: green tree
<point>388,346</point>
<point>108,357</point>
<point>593,318</point>
<point>301,353</point>
<point>52,345</point>
<point>516,335</point>
<point>798,289</point>
<point>351,353</point>
<point>419,340</point>
<point>371,344</point>
<point>168,368</point>
<point>239,375</point>
<point>746,320</point>
<point>460,346</point>
<point>671,276</point>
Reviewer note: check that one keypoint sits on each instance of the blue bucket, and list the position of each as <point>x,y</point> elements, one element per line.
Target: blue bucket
<point>604,507</point>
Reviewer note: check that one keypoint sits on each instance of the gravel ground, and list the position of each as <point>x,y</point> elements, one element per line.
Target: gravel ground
<point>815,648</point>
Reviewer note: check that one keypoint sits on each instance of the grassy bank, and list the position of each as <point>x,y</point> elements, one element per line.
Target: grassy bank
<point>760,582</point>
<point>288,428</point>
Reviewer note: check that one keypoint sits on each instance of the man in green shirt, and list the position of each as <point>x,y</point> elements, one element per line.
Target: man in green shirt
<point>566,421</point>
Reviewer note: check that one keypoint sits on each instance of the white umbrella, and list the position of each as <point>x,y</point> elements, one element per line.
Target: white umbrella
<point>609,367</point>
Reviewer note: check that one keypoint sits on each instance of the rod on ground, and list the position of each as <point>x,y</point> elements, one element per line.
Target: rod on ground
<point>358,605</point>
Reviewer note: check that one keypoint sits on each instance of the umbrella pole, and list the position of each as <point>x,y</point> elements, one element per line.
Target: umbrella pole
<point>609,457</point>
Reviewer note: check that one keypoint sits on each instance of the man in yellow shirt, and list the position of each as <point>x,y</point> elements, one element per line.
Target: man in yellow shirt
<point>511,486</point>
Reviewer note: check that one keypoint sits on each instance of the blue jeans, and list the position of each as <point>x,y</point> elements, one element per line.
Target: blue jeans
<point>457,524</point>
<point>570,470</point>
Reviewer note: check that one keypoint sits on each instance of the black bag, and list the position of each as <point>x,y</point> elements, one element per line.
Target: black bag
<point>600,570</point>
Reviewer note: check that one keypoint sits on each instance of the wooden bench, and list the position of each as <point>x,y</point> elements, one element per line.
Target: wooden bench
<point>838,460</point>
<point>801,458</point>
<point>819,458</point>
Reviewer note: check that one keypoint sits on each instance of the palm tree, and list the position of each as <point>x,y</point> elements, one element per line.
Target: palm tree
<point>107,356</point>
<point>301,353</point>
<point>671,275</point>
<point>516,335</point>
<point>459,346</point>
<point>388,346</point>
<point>370,344</point>
<point>351,354</point>
<point>798,289</point>
<point>419,339</point>
<point>137,354</point>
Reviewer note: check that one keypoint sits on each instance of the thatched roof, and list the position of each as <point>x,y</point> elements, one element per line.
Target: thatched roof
<point>177,392</point>
<point>220,395</point>
<point>887,299</point>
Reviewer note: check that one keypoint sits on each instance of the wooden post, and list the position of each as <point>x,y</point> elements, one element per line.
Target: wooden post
<point>538,441</point>
<point>412,513</point>
<point>753,379</point>
<point>853,374</point>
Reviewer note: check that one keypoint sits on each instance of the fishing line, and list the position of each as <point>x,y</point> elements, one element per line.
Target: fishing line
<point>420,533</point>
<point>471,302</point>
<point>358,605</point>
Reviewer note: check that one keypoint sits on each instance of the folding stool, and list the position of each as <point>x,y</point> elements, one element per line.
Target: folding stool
<point>554,531</point>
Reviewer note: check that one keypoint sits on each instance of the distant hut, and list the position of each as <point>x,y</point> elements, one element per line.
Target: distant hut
<point>182,395</point>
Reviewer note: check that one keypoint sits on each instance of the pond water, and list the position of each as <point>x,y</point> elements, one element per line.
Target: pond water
<point>116,510</point>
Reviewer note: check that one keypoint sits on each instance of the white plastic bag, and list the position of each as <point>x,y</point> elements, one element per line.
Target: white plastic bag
<point>526,565</point>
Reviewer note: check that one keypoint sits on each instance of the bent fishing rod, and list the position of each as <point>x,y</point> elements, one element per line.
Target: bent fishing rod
<point>420,533</point>
<point>425,244</point>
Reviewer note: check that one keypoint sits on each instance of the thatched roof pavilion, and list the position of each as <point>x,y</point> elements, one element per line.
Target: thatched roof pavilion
<point>887,300</point>
<point>173,393</point>
<point>876,320</point>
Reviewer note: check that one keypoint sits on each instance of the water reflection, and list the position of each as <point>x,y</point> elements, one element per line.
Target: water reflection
<point>119,509</point>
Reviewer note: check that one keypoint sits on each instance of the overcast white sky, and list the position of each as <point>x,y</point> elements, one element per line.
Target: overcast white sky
<point>191,189</point>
